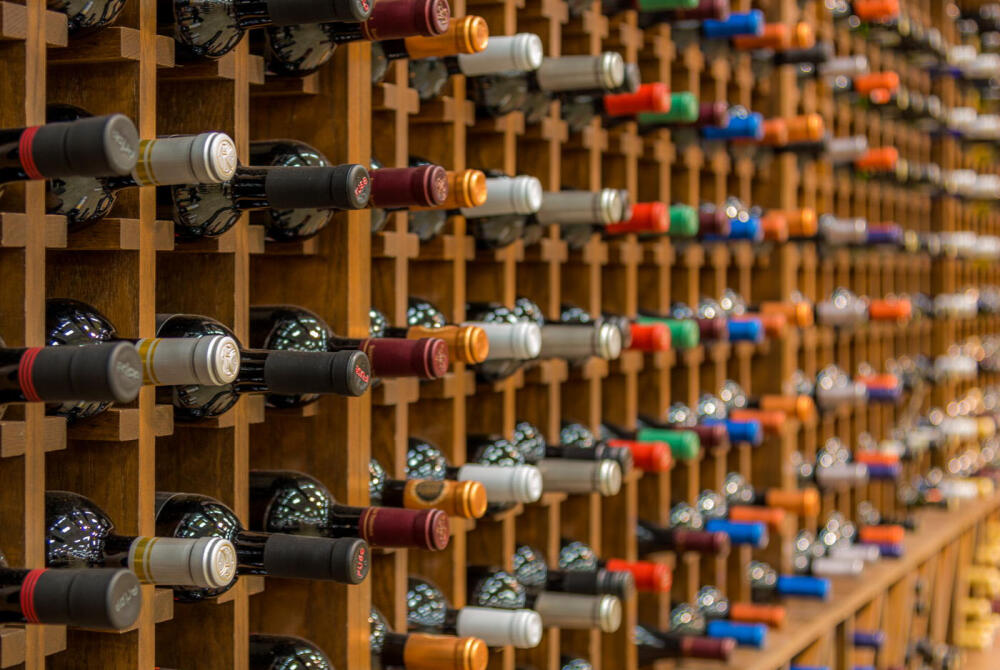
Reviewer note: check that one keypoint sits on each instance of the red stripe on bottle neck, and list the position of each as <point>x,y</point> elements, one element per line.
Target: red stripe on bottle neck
<point>24,148</point>
<point>24,376</point>
<point>28,595</point>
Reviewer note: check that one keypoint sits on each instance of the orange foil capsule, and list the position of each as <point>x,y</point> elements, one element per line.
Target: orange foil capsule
<point>775,133</point>
<point>770,421</point>
<point>875,10</point>
<point>771,615</point>
<point>775,324</point>
<point>775,226</point>
<point>802,407</point>
<point>890,534</point>
<point>801,222</point>
<point>803,502</point>
<point>647,456</point>
<point>890,309</point>
<point>876,458</point>
<point>773,517</point>
<point>879,159</point>
<point>775,36</point>
<point>866,83</point>
<point>805,128</point>
<point>799,313</point>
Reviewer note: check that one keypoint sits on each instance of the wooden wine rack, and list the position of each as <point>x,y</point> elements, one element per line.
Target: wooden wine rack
<point>130,268</point>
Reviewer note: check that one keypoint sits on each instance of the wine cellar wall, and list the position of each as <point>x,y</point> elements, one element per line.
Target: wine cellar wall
<point>130,266</point>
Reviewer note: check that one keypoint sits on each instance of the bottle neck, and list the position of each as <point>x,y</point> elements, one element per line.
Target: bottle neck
<point>11,165</point>
<point>251,377</point>
<point>250,552</point>
<point>248,188</point>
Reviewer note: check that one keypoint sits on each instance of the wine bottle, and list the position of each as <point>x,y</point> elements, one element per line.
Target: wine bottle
<point>715,606</point>
<point>809,557</point>
<point>422,651</point>
<point>560,475</point>
<point>79,534</point>
<point>466,343</point>
<point>687,619</point>
<point>463,499</point>
<point>656,218</point>
<point>511,340</point>
<point>466,188</point>
<point>531,92</point>
<point>207,158</point>
<point>467,35</point>
<point>739,495</point>
<point>292,186</point>
<point>97,146</point>
<point>102,598</point>
<point>685,113</point>
<point>285,651</point>
<point>284,501</point>
<point>576,442</point>
<point>615,108</point>
<point>679,417</point>
<point>428,610</point>
<point>426,185</point>
<point>715,512</point>
<point>212,359</point>
<point>660,645</point>
<point>302,47</point>
<point>292,328</point>
<point>522,52</point>
<point>212,31</point>
<point>95,373</point>
<point>577,336</point>
<point>191,515</point>
<point>501,220</point>
<point>685,445</point>
<point>290,378</point>
<point>648,576</point>
<point>508,480</point>
<point>711,410</point>
<point>682,535</point>
<point>579,214</point>
<point>86,17</point>
<point>571,611</point>
<point>684,328</point>
<point>766,585</point>
<point>683,15</point>
<point>531,571</point>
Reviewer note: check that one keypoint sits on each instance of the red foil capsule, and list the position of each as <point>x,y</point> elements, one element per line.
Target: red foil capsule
<point>650,337</point>
<point>396,19</point>
<point>424,186</point>
<point>426,358</point>
<point>395,527</point>
<point>649,98</point>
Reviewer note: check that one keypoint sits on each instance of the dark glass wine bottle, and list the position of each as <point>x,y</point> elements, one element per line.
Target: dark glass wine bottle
<point>95,373</point>
<point>559,474</point>
<point>302,48</point>
<point>531,92</point>
<point>211,30</point>
<point>283,501</point>
<point>422,651</point>
<point>463,499</point>
<point>207,158</point>
<point>190,515</point>
<point>502,472</point>
<point>292,328</point>
<point>80,534</point>
<point>213,359</point>
<point>293,187</point>
<point>571,611</point>
<point>531,570</point>
<point>679,537</point>
<point>467,35</point>
<point>522,52</point>
<point>270,652</point>
<point>97,146</point>
<point>296,375</point>
<point>102,598</point>
<point>84,16</point>
<point>657,645</point>
<point>614,108</point>
<point>427,609</point>
<point>647,576</point>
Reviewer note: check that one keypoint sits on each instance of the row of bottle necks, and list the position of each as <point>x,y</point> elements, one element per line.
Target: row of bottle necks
<point>300,532</point>
<point>293,191</point>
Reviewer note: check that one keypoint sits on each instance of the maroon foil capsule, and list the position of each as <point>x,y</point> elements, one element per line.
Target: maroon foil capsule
<point>716,649</point>
<point>713,223</point>
<point>396,19</point>
<point>395,527</point>
<point>426,358</point>
<point>717,10</point>
<point>712,330</point>
<point>700,541</point>
<point>424,186</point>
<point>713,114</point>
<point>714,435</point>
